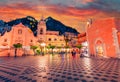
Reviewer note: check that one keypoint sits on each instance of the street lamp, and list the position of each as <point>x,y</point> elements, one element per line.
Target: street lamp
<point>42,47</point>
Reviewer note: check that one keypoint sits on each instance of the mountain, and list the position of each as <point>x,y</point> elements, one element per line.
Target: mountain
<point>31,23</point>
<point>56,25</point>
<point>28,21</point>
<point>2,25</point>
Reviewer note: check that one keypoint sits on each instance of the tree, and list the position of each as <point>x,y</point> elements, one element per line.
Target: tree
<point>51,47</point>
<point>79,46</point>
<point>16,46</point>
<point>38,52</point>
<point>59,47</point>
<point>67,39</point>
<point>67,47</point>
<point>33,48</point>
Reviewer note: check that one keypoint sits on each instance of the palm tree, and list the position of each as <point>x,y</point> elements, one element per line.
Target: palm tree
<point>67,39</point>
<point>16,46</point>
<point>33,48</point>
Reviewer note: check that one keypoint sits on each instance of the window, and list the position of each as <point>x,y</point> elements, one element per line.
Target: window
<point>55,39</point>
<point>62,44</point>
<point>5,40</point>
<point>19,31</point>
<point>41,31</point>
<point>60,39</point>
<point>31,40</point>
<point>49,39</point>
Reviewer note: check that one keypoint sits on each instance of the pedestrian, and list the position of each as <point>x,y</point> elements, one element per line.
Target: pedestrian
<point>8,54</point>
<point>82,54</point>
<point>73,53</point>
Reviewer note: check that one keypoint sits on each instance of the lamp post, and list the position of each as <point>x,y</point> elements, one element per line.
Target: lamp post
<point>42,47</point>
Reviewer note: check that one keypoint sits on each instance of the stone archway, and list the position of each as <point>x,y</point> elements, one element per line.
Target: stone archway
<point>99,48</point>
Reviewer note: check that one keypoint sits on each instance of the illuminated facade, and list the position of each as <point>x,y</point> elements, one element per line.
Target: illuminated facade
<point>103,37</point>
<point>73,39</point>
<point>23,35</point>
<point>53,38</point>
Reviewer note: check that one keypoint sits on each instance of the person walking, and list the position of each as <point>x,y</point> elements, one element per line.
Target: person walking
<point>73,53</point>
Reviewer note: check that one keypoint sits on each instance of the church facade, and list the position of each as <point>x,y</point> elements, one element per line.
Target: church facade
<point>23,35</point>
<point>103,36</point>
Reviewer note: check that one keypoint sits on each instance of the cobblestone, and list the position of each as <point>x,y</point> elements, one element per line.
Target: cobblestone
<point>56,68</point>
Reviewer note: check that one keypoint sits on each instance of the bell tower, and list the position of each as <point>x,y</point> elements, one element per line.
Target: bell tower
<point>41,32</point>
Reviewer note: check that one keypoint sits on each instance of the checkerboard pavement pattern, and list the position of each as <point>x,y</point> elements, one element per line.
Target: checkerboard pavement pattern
<point>59,68</point>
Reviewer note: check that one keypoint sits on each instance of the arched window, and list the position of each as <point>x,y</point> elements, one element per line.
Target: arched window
<point>61,40</point>
<point>19,31</point>
<point>41,31</point>
<point>55,39</point>
<point>49,39</point>
<point>31,40</point>
<point>49,44</point>
<point>5,40</point>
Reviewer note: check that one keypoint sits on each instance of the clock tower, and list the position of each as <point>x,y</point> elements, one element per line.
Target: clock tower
<point>41,32</point>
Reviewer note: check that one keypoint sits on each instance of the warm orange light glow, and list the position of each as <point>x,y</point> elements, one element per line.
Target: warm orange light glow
<point>69,16</point>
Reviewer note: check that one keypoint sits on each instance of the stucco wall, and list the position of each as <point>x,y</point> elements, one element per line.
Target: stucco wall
<point>102,29</point>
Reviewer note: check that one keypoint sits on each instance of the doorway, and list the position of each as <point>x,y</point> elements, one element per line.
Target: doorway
<point>99,48</point>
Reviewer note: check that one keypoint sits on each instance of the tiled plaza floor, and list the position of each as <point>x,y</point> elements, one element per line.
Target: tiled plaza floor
<point>56,68</point>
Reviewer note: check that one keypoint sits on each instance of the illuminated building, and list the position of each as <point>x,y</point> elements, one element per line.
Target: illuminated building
<point>103,37</point>
<point>53,38</point>
<point>82,37</point>
<point>23,35</point>
<point>73,39</point>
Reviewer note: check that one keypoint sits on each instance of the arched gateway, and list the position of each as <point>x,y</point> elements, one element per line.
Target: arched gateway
<point>99,48</point>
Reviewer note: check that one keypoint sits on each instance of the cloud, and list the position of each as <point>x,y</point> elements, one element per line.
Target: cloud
<point>105,5</point>
<point>63,10</point>
<point>102,5</point>
<point>72,11</point>
<point>17,11</point>
<point>91,8</point>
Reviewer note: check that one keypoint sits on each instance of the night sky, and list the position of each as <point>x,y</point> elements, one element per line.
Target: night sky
<point>72,13</point>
